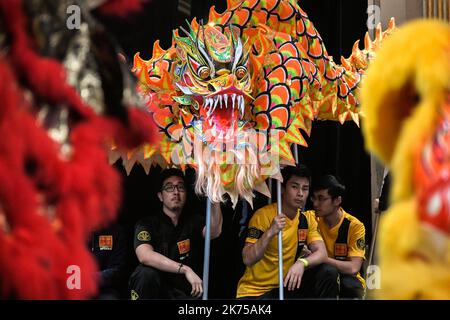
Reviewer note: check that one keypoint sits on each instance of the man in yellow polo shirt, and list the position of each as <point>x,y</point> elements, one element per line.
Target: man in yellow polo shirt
<point>303,277</point>
<point>343,235</point>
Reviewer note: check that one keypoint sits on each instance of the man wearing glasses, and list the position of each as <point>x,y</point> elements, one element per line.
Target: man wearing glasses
<point>304,277</point>
<point>167,243</point>
<point>343,235</point>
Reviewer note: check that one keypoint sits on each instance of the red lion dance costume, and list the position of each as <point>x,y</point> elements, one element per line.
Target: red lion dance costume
<point>56,122</point>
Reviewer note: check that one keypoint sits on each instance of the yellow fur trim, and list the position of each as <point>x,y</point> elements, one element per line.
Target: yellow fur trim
<point>415,57</point>
<point>410,267</point>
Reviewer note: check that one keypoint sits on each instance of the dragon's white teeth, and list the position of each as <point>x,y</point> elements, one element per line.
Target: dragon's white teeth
<point>215,105</point>
<point>225,98</point>
<point>238,103</point>
<point>241,105</point>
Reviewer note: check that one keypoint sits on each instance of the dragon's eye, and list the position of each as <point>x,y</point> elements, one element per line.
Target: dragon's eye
<point>240,72</point>
<point>203,72</point>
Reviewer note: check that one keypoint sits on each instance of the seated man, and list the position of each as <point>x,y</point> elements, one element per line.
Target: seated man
<point>343,235</point>
<point>166,243</point>
<point>303,277</point>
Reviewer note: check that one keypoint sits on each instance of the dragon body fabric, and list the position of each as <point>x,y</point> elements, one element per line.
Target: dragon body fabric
<point>406,99</point>
<point>231,95</point>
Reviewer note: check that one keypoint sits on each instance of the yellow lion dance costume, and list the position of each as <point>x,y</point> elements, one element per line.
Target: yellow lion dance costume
<point>406,100</point>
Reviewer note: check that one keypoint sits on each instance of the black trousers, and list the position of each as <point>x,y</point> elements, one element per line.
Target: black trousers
<point>150,283</point>
<point>350,287</point>
<point>319,282</point>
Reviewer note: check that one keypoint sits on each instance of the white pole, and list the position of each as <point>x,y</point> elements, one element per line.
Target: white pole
<point>280,244</point>
<point>269,201</point>
<point>207,250</point>
<point>280,234</point>
<point>295,153</point>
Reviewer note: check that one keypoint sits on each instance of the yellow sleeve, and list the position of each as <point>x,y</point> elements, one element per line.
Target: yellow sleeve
<point>357,243</point>
<point>313,231</point>
<point>257,225</point>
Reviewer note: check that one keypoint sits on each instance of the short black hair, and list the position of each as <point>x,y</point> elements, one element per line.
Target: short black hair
<point>170,173</point>
<point>299,170</point>
<point>331,184</point>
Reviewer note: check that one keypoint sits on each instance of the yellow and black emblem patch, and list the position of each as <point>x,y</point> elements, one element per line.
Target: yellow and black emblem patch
<point>361,243</point>
<point>254,233</point>
<point>143,236</point>
<point>134,295</point>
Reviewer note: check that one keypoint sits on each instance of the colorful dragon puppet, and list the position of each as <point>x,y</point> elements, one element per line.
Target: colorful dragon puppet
<point>231,95</point>
<point>406,99</point>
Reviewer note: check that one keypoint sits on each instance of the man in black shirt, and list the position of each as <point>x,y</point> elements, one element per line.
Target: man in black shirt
<point>165,244</point>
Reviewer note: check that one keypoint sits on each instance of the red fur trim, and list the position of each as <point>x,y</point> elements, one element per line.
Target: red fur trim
<point>84,190</point>
<point>140,129</point>
<point>35,256</point>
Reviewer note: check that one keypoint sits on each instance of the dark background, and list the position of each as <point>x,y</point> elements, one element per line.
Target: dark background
<point>333,148</point>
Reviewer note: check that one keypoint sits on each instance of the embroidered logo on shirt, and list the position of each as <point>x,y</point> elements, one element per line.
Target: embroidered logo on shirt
<point>134,295</point>
<point>105,242</point>
<point>143,236</point>
<point>254,233</point>
<point>340,249</point>
<point>361,243</point>
<point>184,246</point>
<point>302,235</point>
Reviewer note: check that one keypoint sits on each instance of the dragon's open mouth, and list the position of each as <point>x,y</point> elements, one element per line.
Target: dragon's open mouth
<point>221,112</point>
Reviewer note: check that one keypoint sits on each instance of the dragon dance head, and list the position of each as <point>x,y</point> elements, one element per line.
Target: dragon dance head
<point>214,73</point>
<point>201,93</point>
<point>232,95</point>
